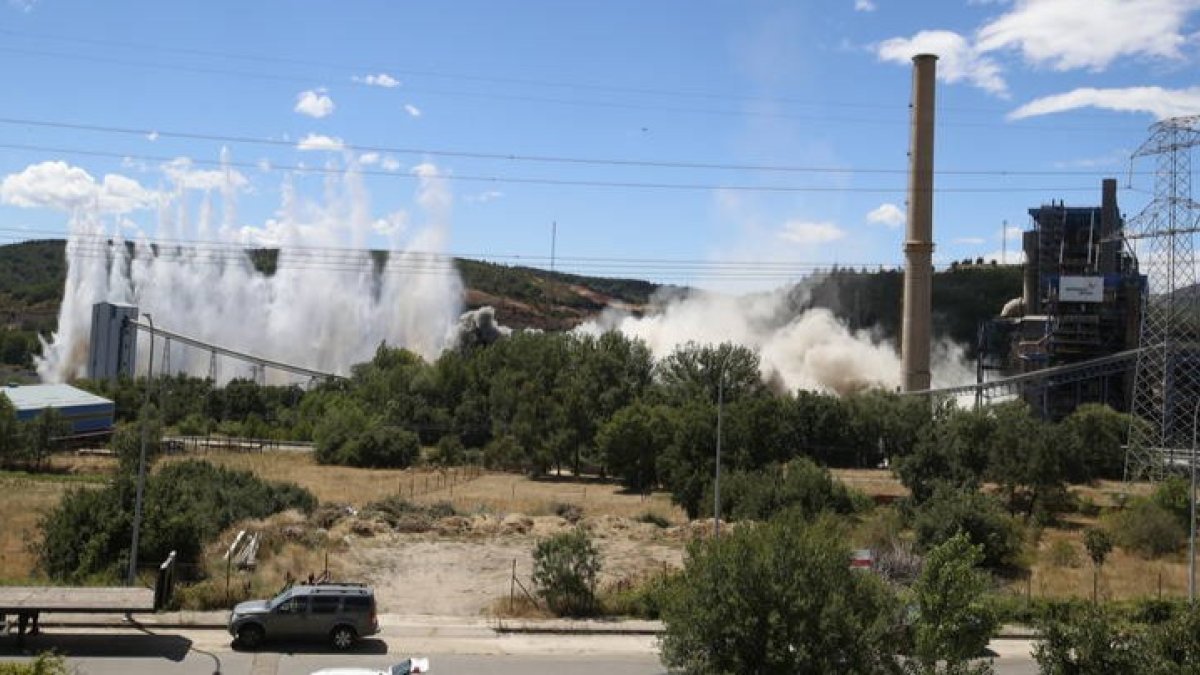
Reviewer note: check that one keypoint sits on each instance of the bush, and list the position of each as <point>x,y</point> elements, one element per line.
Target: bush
<point>1093,642</point>
<point>186,504</point>
<point>654,519</point>
<point>953,624</point>
<point>505,454</point>
<point>449,451</point>
<point>571,513</point>
<point>778,598</point>
<point>1147,529</point>
<point>640,597</point>
<point>564,573</point>
<point>799,485</point>
<point>44,664</point>
<point>1062,553</point>
<point>977,515</point>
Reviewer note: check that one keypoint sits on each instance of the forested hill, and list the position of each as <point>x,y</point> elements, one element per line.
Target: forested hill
<point>32,275</point>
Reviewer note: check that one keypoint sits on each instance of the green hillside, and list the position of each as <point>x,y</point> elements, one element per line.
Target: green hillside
<point>32,276</point>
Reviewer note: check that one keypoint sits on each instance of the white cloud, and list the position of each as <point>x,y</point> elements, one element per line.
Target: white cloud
<point>864,6</point>
<point>412,110</point>
<point>389,163</point>
<point>1068,34</point>
<point>152,136</point>
<point>320,142</point>
<point>1162,103</point>
<point>181,173</point>
<point>392,224</point>
<point>25,6</point>
<point>886,214</point>
<point>1013,233</point>
<point>368,158</point>
<point>485,197</point>
<point>958,59</point>
<point>58,185</point>
<point>974,241</point>
<point>314,103</point>
<point>381,80</point>
<point>801,232</point>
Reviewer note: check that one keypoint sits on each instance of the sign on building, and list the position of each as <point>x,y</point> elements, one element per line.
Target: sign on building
<point>1081,289</point>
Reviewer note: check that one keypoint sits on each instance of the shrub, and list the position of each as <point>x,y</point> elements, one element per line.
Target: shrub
<point>449,451</point>
<point>977,515</point>
<point>799,485</point>
<point>571,513</point>
<point>43,664</point>
<point>641,597</point>
<point>654,519</point>
<point>953,624</point>
<point>1147,529</point>
<point>564,573</point>
<point>504,453</point>
<point>1092,642</point>
<point>1062,553</point>
<point>186,504</point>
<point>779,597</point>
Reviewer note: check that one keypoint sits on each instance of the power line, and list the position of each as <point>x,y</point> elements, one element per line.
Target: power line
<point>515,157</point>
<point>594,103</point>
<point>528,180</point>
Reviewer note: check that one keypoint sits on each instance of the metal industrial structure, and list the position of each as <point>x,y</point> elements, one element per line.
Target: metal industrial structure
<point>1080,305</point>
<point>1167,384</point>
<point>113,348</point>
<point>87,415</point>
<point>917,327</point>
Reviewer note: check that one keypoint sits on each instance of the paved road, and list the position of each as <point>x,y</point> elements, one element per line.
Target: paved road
<point>452,649</point>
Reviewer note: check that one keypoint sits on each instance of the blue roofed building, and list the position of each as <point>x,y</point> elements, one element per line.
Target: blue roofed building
<point>88,414</point>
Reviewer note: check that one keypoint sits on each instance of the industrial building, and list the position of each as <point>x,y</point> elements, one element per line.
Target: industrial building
<point>112,352</point>
<point>88,414</point>
<point>1082,300</point>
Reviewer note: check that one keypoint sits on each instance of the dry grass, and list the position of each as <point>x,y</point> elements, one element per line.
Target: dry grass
<point>341,484</point>
<point>1125,576</point>
<point>23,500</point>
<point>495,492</point>
<point>873,482</point>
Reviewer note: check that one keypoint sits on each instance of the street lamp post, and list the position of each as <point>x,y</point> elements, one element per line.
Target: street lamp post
<point>1192,514</point>
<point>717,480</point>
<point>141,476</point>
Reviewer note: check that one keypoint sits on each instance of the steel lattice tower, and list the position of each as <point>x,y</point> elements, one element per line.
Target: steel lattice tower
<point>1166,386</point>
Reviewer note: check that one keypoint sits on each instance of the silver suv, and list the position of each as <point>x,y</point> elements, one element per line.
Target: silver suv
<point>339,613</point>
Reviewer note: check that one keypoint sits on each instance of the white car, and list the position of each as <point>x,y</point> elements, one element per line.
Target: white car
<point>405,667</point>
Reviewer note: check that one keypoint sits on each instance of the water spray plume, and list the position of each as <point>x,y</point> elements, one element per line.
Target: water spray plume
<point>305,313</point>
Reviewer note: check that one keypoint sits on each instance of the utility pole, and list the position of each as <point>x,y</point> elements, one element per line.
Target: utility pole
<point>141,476</point>
<point>553,242</point>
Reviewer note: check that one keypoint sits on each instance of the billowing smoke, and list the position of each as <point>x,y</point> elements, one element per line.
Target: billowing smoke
<point>807,349</point>
<point>328,305</point>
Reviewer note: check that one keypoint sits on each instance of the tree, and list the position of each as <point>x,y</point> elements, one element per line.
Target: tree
<point>1099,545</point>
<point>1096,434</point>
<point>1026,457</point>
<point>565,567</point>
<point>953,624</point>
<point>952,451</point>
<point>777,598</point>
<point>631,441</point>
<point>44,432</point>
<point>693,372</point>
<point>980,517</point>
<point>799,486</point>
<point>12,443</point>
<point>1092,642</point>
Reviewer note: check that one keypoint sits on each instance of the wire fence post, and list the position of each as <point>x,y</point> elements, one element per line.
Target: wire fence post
<point>512,587</point>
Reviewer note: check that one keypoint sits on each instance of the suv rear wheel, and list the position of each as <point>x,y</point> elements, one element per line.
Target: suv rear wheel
<point>342,637</point>
<point>250,636</point>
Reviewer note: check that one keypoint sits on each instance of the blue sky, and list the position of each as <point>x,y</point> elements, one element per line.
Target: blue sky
<point>1063,87</point>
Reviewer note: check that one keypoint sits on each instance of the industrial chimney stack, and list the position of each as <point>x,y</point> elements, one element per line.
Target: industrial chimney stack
<point>918,245</point>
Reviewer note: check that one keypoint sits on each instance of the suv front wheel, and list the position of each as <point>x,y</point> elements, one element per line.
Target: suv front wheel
<point>342,637</point>
<point>250,636</point>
